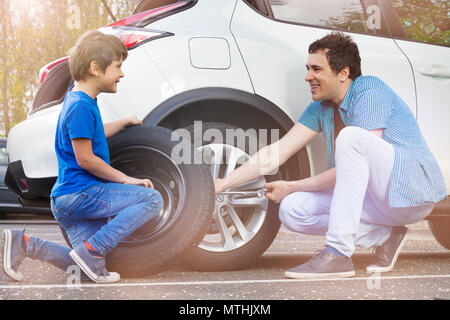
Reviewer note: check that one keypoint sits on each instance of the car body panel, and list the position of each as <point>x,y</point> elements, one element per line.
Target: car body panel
<point>431,65</point>
<point>9,202</point>
<point>206,20</point>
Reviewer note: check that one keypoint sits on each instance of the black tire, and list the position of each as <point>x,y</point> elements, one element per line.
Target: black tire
<point>440,228</point>
<point>188,193</point>
<point>204,260</point>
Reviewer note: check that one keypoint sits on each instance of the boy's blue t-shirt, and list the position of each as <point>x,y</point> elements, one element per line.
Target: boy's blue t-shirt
<point>79,118</point>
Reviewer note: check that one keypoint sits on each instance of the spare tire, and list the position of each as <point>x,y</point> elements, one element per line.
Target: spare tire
<point>186,188</point>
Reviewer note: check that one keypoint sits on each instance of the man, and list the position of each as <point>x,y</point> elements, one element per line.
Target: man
<point>381,174</point>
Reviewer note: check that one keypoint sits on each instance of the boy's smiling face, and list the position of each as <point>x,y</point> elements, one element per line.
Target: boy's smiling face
<point>110,78</point>
<point>99,81</point>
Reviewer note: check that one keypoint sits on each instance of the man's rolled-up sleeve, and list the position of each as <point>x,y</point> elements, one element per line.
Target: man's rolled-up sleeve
<point>311,117</point>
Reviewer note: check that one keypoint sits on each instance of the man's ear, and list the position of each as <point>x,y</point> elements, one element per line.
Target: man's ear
<point>344,74</point>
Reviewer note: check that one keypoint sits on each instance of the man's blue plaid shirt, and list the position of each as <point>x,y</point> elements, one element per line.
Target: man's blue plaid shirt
<point>371,104</point>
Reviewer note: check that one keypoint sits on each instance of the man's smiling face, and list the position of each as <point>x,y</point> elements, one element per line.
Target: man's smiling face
<point>323,81</point>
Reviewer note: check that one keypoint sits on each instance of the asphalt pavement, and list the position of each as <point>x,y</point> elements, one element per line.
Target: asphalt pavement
<point>422,272</point>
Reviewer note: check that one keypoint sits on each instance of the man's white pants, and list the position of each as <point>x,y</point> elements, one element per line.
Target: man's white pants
<point>356,211</point>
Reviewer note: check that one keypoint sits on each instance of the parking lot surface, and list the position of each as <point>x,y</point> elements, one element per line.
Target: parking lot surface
<point>422,272</point>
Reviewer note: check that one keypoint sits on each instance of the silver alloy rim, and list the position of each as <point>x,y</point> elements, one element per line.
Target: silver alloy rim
<point>232,230</point>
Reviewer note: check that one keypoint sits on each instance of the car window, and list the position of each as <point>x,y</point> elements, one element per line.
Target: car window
<point>425,20</point>
<point>345,15</point>
<point>3,157</point>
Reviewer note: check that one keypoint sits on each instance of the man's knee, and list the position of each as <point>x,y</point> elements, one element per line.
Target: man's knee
<point>350,135</point>
<point>291,211</point>
<point>286,207</point>
<point>351,138</point>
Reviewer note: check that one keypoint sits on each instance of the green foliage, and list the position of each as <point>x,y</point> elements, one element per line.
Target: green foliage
<point>36,32</point>
<point>425,20</point>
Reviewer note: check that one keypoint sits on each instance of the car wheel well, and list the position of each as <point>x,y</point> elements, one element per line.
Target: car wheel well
<point>233,107</point>
<point>221,111</point>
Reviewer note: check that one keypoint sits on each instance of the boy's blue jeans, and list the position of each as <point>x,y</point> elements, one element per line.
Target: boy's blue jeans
<point>103,214</point>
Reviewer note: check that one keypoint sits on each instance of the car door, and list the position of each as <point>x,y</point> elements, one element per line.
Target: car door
<point>425,40</point>
<point>275,45</point>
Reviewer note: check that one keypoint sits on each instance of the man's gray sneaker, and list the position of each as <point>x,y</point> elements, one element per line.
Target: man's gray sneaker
<point>93,267</point>
<point>387,253</point>
<point>12,251</point>
<point>324,264</point>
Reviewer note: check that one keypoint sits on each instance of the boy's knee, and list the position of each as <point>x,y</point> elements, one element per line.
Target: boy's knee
<point>153,202</point>
<point>154,199</point>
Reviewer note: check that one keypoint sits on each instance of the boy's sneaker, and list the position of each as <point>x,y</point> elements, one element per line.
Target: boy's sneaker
<point>93,267</point>
<point>387,254</point>
<point>12,252</point>
<point>324,264</point>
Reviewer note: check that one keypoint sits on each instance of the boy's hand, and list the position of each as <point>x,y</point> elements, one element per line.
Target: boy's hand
<point>139,182</point>
<point>133,120</point>
<point>277,190</point>
<point>111,128</point>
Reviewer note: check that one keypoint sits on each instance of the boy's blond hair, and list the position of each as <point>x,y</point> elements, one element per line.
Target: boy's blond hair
<point>95,45</point>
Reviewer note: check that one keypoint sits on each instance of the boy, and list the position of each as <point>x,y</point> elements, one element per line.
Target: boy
<point>88,190</point>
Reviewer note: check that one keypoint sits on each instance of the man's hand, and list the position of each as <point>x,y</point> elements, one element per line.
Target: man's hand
<point>268,158</point>
<point>277,190</point>
<point>218,186</point>
<point>139,182</point>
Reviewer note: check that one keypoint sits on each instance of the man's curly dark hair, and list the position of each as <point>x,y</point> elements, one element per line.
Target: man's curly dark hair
<point>342,52</point>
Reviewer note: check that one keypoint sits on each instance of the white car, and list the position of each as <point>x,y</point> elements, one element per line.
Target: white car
<point>230,64</point>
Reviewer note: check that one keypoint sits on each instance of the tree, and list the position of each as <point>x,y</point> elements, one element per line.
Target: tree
<point>5,22</point>
<point>36,32</point>
<point>425,20</point>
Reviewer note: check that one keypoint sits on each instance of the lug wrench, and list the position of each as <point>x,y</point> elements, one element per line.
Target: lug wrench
<point>245,194</point>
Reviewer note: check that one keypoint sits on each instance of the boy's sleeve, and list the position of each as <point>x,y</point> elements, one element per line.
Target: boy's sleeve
<point>80,122</point>
<point>311,117</point>
<point>372,110</point>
